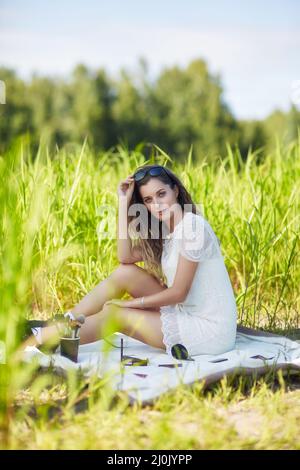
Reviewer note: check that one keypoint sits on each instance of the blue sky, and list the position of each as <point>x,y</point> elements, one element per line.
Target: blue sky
<point>254,45</point>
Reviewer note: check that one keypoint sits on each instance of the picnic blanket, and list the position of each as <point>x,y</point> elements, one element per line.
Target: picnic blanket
<point>255,352</point>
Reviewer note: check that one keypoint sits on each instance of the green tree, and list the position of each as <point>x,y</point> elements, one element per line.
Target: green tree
<point>91,107</point>
<point>188,109</point>
<point>133,121</point>
<point>16,114</point>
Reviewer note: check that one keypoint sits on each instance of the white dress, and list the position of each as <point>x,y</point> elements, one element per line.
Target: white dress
<point>206,322</point>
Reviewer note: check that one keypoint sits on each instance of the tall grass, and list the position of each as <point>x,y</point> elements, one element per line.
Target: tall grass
<point>53,251</point>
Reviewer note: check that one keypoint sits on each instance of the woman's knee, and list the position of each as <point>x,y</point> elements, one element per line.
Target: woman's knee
<point>112,315</point>
<point>136,281</point>
<point>124,272</point>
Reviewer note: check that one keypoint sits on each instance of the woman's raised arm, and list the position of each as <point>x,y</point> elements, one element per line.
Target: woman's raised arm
<point>126,253</point>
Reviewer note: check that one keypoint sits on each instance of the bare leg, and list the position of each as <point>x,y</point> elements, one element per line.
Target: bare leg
<point>128,278</point>
<point>144,325</point>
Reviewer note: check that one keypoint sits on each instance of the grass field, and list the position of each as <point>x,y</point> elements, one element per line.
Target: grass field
<point>54,209</point>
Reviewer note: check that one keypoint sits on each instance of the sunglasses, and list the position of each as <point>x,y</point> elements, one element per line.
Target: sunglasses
<point>180,352</point>
<point>154,171</point>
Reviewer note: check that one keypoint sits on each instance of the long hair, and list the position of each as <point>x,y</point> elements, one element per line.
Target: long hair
<point>150,246</point>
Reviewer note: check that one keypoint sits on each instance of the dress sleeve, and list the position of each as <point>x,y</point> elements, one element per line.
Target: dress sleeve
<point>197,241</point>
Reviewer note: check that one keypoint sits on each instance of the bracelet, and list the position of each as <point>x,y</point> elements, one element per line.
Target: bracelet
<point>142,301</point>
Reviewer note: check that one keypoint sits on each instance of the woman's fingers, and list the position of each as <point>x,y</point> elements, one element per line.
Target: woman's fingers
<point>126,187</point>
<point>128,180</point>
<point>113,302</point>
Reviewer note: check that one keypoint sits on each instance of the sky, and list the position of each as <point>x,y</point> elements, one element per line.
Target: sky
<point>254,45</point>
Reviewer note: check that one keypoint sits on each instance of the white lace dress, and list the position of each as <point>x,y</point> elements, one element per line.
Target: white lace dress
<point>206,322</point>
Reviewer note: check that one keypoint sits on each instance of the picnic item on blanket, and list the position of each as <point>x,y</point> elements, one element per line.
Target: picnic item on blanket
<point>68,328</point>
<point>71,327</point>
<point>69,342</point>
<point>255,353</point>
<point>69,348</point>
<point>130,360</point>
<point>170,365</point>
<point>180,352</point>
<point>58,320</point>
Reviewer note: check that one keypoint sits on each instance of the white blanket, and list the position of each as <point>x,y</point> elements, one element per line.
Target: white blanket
<point>255,352</point>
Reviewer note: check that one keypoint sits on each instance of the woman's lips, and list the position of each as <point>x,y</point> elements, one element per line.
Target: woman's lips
<point>160,212</point>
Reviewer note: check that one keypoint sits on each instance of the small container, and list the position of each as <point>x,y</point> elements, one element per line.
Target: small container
<point>134,361</point>
<point>69,348</point>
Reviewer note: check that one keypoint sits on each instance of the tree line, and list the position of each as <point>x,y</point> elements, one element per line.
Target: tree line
<point>182,107</point>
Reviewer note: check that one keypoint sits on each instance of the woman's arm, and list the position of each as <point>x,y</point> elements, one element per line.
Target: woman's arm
<point>123,240</point>
<point>125,252</point>
<point>177,293</point>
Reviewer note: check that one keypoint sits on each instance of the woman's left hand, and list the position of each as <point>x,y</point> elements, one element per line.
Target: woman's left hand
<point>118,302</point>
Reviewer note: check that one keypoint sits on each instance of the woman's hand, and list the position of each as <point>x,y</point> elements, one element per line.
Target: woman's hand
<point>133,303</point>
<point>126,187</point>
<point>114,302</point>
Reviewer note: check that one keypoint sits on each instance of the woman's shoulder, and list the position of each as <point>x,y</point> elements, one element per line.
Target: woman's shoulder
<point>196,226</point>
<point>190,216</point>
<point>195,242</point>
<point>191,226</point>
<point>193,222</point>
<point>197,220</point>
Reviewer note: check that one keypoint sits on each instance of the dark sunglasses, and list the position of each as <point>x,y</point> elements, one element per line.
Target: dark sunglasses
<point>154,171</point>
<point>180,352</point>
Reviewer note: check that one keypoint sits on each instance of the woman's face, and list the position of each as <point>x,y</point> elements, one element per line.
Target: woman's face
<point>159,198</point>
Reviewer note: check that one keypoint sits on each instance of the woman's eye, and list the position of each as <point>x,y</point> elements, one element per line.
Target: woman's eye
<point>160,195</point>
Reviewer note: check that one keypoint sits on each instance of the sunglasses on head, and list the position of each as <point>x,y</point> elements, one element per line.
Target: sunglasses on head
<point>154,171</point>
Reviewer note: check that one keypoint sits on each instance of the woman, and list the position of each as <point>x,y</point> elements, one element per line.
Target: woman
<point>184,294</point>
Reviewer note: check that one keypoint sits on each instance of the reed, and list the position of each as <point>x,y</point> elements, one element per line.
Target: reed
<point>53,252</point>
